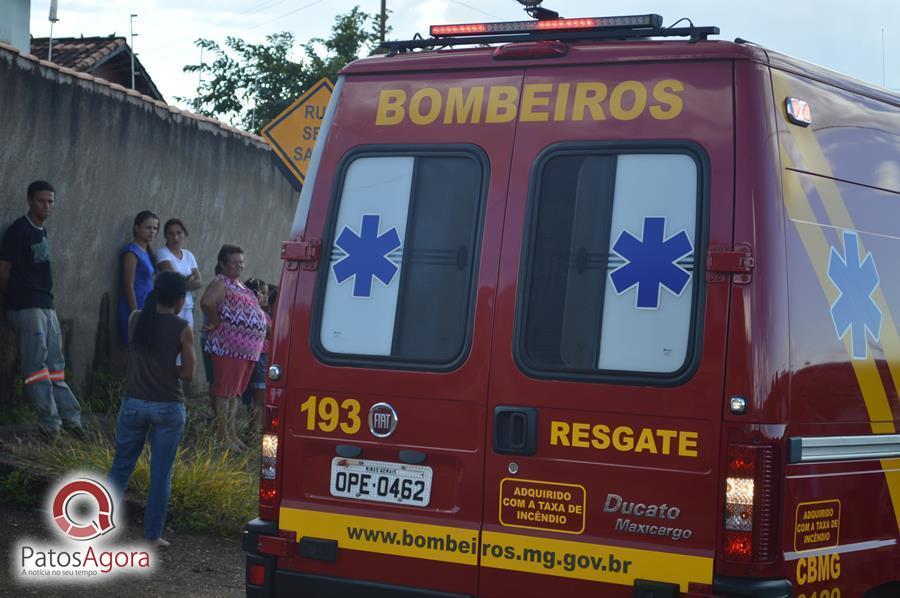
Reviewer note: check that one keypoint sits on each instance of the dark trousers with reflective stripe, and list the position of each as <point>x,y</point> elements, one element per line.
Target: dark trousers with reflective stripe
<point>43,364</point>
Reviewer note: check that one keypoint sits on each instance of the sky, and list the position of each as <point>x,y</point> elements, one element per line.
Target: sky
<point>845,36</point>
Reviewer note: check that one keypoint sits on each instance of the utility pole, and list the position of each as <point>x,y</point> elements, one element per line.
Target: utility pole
<point>133,35</point>
<point>54,18</point>
<point>383,23</point>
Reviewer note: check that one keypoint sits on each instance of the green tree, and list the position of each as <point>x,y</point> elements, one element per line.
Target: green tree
<point>249,84</point>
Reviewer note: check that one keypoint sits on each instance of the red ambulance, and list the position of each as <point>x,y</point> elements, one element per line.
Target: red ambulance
<point>588,307</point>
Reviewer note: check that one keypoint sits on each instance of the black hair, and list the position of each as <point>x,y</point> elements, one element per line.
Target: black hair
<point>226,251</point>
<point>37,186</point>
<point>218,269</point>
<point>175,222</point>
<point>138,220</point>
<point>141,217</point>
<point>255,284</point>
<point>273,297</point>
<point>168,287</point>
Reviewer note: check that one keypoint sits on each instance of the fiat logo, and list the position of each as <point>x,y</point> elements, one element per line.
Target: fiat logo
<point>382,420</point>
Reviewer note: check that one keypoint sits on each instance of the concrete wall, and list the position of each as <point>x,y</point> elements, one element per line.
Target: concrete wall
<point>111,153</point>
<point>15,23</point>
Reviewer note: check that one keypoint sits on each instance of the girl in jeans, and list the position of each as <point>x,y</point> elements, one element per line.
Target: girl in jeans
<point>154,402</point>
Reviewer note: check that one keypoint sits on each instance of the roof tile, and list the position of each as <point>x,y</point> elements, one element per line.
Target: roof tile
<point>79,53</point>
<point>109,55</point>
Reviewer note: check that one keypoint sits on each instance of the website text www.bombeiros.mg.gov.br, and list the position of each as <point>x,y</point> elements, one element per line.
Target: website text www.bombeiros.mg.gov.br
<point>575,557</point>
<point>546,558</point>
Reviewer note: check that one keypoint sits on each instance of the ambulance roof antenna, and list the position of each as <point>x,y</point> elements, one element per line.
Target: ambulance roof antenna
<point>536,11</point>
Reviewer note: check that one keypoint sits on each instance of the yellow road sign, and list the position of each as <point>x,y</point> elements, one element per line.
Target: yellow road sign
<point>292,134</point>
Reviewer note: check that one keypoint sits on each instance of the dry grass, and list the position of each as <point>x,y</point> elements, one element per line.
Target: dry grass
<point>213,490</point>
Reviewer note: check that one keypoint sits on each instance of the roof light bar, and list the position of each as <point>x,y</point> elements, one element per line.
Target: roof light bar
<point>584,24</point>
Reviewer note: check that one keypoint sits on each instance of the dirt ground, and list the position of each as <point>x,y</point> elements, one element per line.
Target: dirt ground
<point>193,566</point>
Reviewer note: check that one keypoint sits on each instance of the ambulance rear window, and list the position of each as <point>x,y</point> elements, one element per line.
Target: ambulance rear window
<point>400,281</point>
<point>610,286</point>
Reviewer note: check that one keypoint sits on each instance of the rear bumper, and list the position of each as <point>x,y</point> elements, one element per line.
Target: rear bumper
<point>282,583</point>
<point>278,583</point>
<point>253,530</point>
<point>267,588</point>
<point>757,588</point>
<point>289,583</point>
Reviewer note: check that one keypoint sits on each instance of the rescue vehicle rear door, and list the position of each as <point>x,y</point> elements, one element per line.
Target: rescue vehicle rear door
<point>607,371</point>
<point>385,406</point>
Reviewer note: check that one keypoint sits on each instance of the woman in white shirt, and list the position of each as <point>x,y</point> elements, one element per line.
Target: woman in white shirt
<point>175,257</point>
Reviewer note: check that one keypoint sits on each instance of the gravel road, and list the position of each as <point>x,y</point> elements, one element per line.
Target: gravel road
<point>193,566</point>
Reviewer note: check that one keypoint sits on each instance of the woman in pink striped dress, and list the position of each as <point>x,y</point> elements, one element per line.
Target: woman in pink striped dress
<point>236,331</point>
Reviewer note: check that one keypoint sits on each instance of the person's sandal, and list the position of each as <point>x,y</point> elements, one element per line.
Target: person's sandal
<point>160,543</point>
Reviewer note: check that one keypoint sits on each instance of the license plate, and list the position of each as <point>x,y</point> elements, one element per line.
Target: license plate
<point>381,481</point>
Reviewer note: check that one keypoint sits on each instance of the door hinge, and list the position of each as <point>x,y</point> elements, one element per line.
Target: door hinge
<point>304,252</point>
<point>721,262</point>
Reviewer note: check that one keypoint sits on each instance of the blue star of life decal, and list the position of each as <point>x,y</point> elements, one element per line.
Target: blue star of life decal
<point>651,262</point>
<point>367,255</point>
<point>854,310</point>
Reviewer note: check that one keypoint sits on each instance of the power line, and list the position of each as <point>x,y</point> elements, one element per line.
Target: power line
<point>261,6</point>
<point>265,5</point>
<point>476,9</point>
<point>287,14</point>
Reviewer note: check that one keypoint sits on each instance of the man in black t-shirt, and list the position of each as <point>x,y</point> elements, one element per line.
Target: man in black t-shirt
<point>28,292</point>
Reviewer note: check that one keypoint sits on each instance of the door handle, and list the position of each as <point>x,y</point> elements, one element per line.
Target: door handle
<point>515,430</point>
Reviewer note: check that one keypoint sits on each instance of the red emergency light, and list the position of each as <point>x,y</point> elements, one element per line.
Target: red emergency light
<point>581,24</point>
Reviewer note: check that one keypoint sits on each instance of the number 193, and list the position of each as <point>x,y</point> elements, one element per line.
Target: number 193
<point>326,414</point>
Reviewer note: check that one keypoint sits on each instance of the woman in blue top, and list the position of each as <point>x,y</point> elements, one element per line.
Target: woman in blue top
<point>137,269</point>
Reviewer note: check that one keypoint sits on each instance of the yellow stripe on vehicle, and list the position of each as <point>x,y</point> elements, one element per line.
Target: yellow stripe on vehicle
<point>892,473</point>
<point>800,211</point>
<point>591,562</point>
<point>818,248</point>
<point>386,536</point>
<point>498,550</point>
<point>814,161</point>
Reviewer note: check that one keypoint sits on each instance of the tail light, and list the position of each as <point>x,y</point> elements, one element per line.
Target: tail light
<point>268,465</point>
<point>750,534</point>
<point>256,574</point>
<point>268,461</point>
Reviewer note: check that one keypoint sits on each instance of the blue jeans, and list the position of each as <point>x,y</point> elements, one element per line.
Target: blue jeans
<point>43,365</point>
<point>165,424</point>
